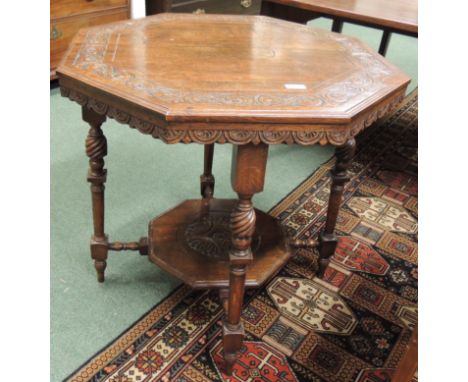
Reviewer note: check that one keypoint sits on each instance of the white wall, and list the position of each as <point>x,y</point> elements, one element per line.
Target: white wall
<point>138,9</point>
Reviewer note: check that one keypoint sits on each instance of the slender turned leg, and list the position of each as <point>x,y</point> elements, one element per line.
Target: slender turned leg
<point>327,238</point>
<point>207,180</point>
<point>248,175</point>
<point>224,297</point>
<point>96,149</point>
<point>337,26</point>
<point>384,42</point>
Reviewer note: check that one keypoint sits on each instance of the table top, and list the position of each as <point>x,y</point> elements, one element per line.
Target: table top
<point>217,78</point>
<point>397,14</point>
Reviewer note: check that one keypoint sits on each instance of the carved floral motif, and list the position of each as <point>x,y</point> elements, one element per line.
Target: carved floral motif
<point>209,236</point>
<point>240,137</point>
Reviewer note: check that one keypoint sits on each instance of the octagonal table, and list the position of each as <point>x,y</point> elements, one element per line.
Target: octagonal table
<point>249,81</point>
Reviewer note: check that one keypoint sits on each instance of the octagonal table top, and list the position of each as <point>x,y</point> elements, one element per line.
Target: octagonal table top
<point>217,78</point>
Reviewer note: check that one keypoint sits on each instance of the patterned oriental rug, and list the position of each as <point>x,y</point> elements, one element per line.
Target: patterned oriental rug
<point>351,326</point>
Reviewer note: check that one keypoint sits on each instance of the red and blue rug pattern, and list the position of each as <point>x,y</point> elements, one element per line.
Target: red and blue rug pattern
<point>353,325</point>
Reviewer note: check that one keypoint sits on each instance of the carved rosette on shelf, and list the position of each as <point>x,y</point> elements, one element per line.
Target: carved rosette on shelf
<point>209,236</point>
<point>309,136</point>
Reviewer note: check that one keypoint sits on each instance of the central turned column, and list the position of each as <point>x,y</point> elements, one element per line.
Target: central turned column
<point>247,178</point>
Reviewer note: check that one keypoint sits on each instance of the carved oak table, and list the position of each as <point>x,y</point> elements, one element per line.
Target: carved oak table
<point>250,81</point>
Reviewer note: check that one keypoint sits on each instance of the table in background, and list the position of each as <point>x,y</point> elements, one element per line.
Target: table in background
<point>398,16</point>
<point>68,16</point>
<point>232,7</point>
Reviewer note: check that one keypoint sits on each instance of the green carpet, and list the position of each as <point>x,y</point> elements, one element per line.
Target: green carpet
<point>145,177</point>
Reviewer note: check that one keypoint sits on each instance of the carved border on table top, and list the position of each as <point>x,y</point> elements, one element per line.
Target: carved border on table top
<point>238,137</point>
<point>99,41</point>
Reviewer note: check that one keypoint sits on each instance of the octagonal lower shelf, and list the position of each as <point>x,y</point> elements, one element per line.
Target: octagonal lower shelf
<point>192,243</point>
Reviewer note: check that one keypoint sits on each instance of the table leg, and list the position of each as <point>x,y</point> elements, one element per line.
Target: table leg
<point>248,175</point>
<point>96,150</point>
<point>385,42</point>
<point>327,238</point>
<point>337,26</point>
<point>224,298</point>
<point>207,180</point>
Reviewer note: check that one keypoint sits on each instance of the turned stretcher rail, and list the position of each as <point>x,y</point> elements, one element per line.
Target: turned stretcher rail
<point>141,246</point>
<point>308,243</point>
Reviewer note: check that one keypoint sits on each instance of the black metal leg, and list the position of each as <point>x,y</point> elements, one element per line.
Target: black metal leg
<point>337,26</point>
<point>384,42</point>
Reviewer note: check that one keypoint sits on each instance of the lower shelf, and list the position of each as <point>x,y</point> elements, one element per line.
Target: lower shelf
<point>192,242</point>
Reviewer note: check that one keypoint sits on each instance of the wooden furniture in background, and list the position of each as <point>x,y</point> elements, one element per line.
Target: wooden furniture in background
<point>68,16</point>
<point>250,81</point>
<point>399,16</point>
<point>409,363</point>
<point>240,7</point>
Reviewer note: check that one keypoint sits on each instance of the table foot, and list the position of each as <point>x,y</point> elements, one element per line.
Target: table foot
<point>100,268</point>
<point>233,335</point>
<point>99,250</point>
<point>233,331</point>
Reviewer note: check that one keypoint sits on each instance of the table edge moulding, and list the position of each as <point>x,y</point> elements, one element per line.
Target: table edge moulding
<point>229,125</point>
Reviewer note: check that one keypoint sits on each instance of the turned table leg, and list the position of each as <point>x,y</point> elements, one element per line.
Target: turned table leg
<point>207,180</point>
<point>327,238</point>
<point>248,175</point>
<point>96,150</point>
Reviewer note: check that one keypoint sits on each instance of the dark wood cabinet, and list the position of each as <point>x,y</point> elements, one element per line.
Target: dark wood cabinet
<point>69,16</point>
<point>241,7</point>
